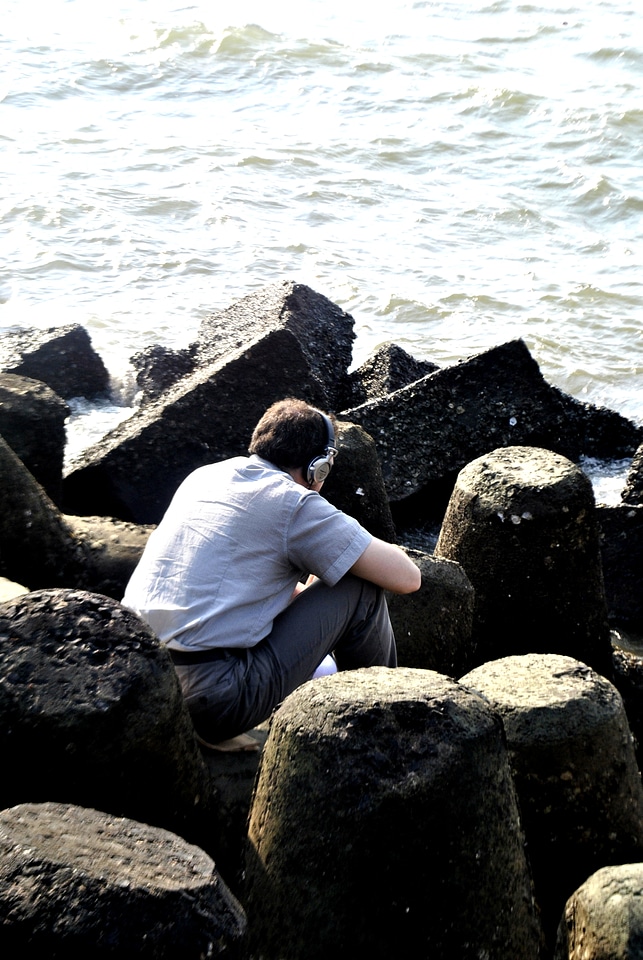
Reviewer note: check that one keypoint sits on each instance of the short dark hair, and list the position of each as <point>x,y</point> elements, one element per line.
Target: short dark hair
<point>290,434</point>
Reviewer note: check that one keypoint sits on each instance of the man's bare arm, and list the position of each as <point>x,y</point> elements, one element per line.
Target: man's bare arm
<point>388,566</point>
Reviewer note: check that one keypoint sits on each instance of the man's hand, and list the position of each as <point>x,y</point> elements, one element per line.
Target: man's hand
<point>302,586</point>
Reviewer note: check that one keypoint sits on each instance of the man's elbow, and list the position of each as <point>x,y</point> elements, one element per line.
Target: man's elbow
<point>410,582</point>
<point>417,580</point>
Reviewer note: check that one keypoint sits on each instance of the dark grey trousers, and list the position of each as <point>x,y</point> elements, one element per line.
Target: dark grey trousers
<point>240,688</point>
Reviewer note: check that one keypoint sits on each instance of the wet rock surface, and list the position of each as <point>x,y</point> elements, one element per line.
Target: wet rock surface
<point>158,368</point>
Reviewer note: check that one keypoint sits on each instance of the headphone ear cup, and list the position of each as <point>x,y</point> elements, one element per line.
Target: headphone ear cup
<point>318,469</point>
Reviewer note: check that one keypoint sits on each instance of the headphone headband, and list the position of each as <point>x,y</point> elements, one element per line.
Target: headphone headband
<point>320,467</point>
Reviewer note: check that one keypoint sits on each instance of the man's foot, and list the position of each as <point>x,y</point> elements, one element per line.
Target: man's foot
<point>244,743</point>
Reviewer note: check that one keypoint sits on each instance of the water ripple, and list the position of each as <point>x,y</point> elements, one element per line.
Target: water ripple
<point>454,174</point>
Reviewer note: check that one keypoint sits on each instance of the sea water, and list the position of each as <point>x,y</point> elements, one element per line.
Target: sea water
<point>452,174</point>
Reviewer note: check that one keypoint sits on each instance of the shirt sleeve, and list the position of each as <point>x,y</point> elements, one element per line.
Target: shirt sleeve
<point>323,540</point>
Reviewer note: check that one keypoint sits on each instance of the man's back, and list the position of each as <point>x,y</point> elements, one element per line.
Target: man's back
<point>227,555</point>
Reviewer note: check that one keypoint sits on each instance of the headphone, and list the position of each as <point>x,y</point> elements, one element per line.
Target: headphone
<point>320,467</point>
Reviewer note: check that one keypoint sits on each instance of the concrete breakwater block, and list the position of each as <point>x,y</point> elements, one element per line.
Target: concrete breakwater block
<point>91,713</point>
<point>37,548</point>
<point>604,917</point>
<point>384,823</point>
<point>77,882</point>
<point>522,522</point>
<point>574,767</point>
<point>433,626</point>
<point>355,484</point>
<point>32,422</point>
<point>41,547</point>
<point>628,679</point>
<point>62,357</point>
<point>621,527</point>
<point>132,473</point>
<point>633,490</point>
<point>323,330</point>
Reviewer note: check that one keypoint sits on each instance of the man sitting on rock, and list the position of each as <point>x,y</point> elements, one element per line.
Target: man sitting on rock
<point>220,580</point>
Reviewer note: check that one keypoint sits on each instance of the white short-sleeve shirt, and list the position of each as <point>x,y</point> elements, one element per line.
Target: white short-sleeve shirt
<point>225,559</point>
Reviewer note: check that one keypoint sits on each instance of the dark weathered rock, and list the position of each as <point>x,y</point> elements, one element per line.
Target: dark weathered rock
<point>112,549</point>
<point>522,523</point>
<point>435,426</point>
<point>91,713</point>
<point>62,357</point>
<point>355,484</point>
<point>428,431</point>
<point>323,331</point>
<point>633,490</point>
<point>433,626</point>
<point>621,542</point>
<point>603,919</point>
<point>602,433</point>
<point>384,824</point>
<point>159,367</point>
<point>133,472</point>
<point>388,369</point>
<point>32,421</point>
<point>233,776</point>
<point>41,547</point>
<point>627,674</point>
<point>573,762</point>
<point>78,882</point>
<point>36,546</point>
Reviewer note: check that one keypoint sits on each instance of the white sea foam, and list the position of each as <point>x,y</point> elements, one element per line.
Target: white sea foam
<point>608,478</point>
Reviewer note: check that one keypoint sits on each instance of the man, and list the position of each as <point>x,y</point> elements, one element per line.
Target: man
<point>220,578</point>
